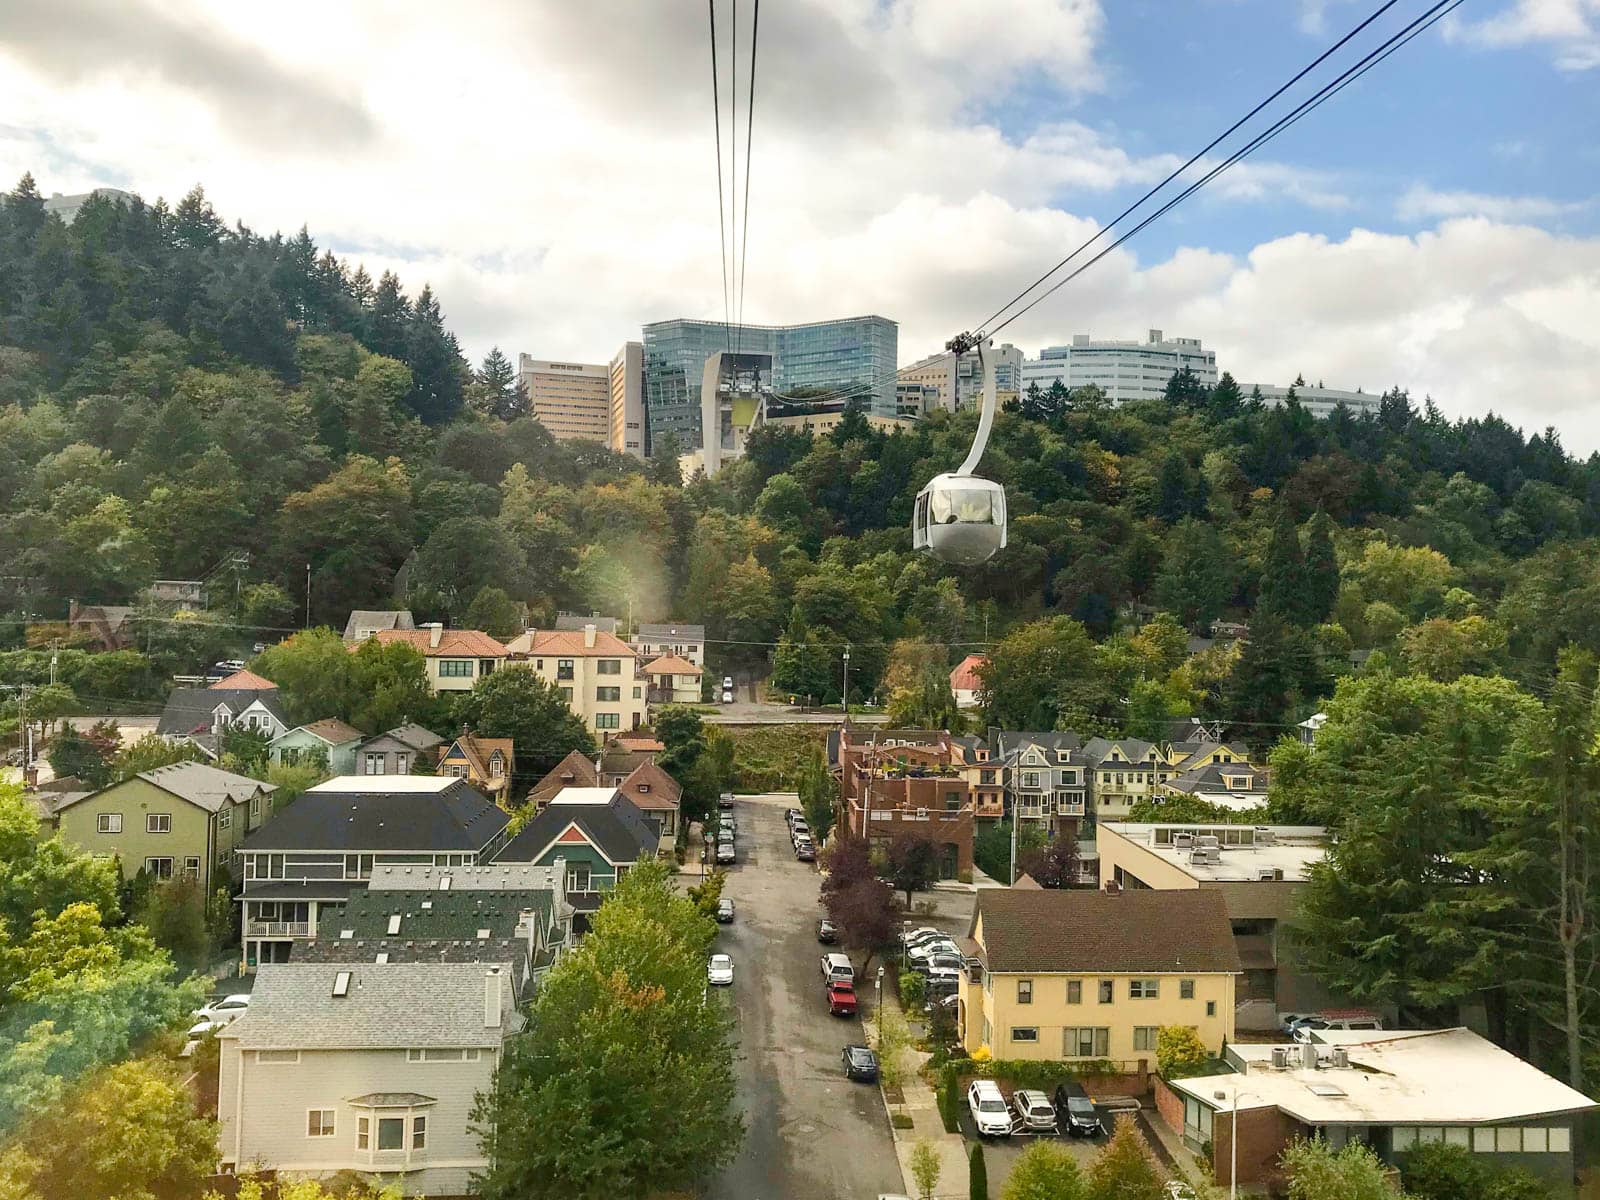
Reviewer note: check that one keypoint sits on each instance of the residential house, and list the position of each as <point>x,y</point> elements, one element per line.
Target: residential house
<point>573,771</point>
<point>596,672</point>
<point>1122,772</point>
<point>1392,1090</point>
<point>242,681</point>
<point>1235,785</point>
<point>624,754</point>
<point>849,746</point>
<point>985,776</point>
<point>397,751</point>
<point>1047,781</point>
<point>1192,729</point>
<point>570,622</point>
<point>598,831</point>
<point>48,798</point>
<point>913,790</point>
<point>104,626</point>
<point>964,681</point>
<point>1192,754</point>
<point>456,658</point>
<point>671,679</point>
<point>299,871</point>
<point>186,820</point>
<point>365,1067</point>
<point>656,794</point>
<point>329,741</point>
<point>1259,871</point>
<point>1074,975</point>
<point>365,622</point>
<point>687,642</point>
<point>486,763</point>
<point>1311,726</point>
<point>203,715</point>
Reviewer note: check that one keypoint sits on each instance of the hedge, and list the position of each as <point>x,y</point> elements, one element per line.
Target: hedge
<point>1025,1073</point>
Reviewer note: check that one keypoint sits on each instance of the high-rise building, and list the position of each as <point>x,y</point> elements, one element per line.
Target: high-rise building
<point>1123,370</point>
<point>857,352</point>
<point>571,400</point>
<point>627,400</point>
<point>960,383</point>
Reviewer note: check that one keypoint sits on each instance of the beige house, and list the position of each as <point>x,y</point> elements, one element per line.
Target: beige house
<point>596,672</point>
<point>1065,975</point>
<point>672,680</point>
<point>180,821</point>
<point>456,658</point>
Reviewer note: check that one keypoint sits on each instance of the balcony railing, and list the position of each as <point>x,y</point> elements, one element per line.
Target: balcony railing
<point>277,929</point>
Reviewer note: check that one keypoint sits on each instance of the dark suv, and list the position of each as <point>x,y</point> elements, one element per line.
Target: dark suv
<point>1075,1112</point>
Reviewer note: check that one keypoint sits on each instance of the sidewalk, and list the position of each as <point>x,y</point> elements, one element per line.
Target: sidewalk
<point>922,1106</point>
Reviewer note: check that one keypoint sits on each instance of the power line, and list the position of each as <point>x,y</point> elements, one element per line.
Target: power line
<point>1204,150</point>
<point>733,172</point>
<point>716,121</point>
<point>749,127</point>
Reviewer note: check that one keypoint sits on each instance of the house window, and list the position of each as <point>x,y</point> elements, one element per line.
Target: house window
<point>607,695</point>
<point>289,756</point>
<point>1024,991</point>
<point>1185,989</point>
<point>497,766</point>
<point>638,693</point>
<point>1508,1139</point>
<point>1030,779</point>
<point>1105,991</point>
<point>1024,1033</point>
<point>391,1133</point>
<point>578,877</point>
<point>1074,991</point>
<point>373,762</point>
<point>1144,989</point>
<point>609,666</point>
<point>358,866</point>
<point>363,1133</point>
<point>419,1133</point>
<point>952,801</point>
<point>191,867</point>
<point>444,1055</point>
<point>159,868</point>
<point>108,823</point>
<point>1144,1036</point>
<point>1211,1008</point>
<point>319,1122</point>
<point>563,668</point>
<point>608,720</point>
<point>255,809</point>
<point>455,668</point>
<point>158,822</point>
<point>1085,1041</point>
<point>225,817</point>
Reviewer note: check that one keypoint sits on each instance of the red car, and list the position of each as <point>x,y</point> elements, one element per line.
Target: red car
<point>842,999</point>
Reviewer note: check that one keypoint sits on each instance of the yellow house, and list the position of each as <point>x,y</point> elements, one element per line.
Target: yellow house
<point>596,671</point>
<point>1066,975</point>
<point>456,658</point>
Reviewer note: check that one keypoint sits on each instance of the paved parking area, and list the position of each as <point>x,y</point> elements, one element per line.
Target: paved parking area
<point>809,1132</point>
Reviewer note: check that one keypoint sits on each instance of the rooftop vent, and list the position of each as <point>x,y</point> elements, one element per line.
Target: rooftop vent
<point>483,935</point>
<point>1183,841</point>
<point>347,933</point>
<point>1280,1058</point>
<point>1269,874</point>
<point>444,883</point>
<point>1340,1057</point>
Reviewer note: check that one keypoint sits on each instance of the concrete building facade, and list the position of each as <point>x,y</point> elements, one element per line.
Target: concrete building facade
<point>1124,370</point>
<point>628,434</point>
<point>1318,401</point>
<point>570,399</point>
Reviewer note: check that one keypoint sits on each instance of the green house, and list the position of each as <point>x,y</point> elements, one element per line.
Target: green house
<point>599,833</point>
<point>185,820</point>
<point>330,741</point>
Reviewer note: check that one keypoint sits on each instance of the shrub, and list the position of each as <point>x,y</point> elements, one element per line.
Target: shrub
<point>912,989</point>
<point>1179,1052</point>
<point>949,1102</point>
<point>901,1121</point>
<point>1435,1171</point>
<point>977,1175</point>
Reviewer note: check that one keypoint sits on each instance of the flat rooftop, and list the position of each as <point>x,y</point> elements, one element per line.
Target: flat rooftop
<point>1245,851</point>
<point>378,784</point>
<point>584,795</point>
<point>1395,1077</point>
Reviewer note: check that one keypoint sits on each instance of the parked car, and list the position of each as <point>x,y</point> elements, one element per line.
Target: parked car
<point>789,814</point>
<point>799,830</point>
<point>727,696</point>
<point>951,1004</point>
<point>1177,1189</point>
<point>842,998</point>
<point>806,852</point>
<point>726,853</point>
<point>203,1027</point>
<point>1035,1109</point>
<point>727,683</point>
<point>719,971</point>
<point>725,800</point>
<point>988,1109</point>
<point>860,1063</point>
<point>221,1012</point>
<point>1081,1118</point>
<point>827,932</point>
<point>837,966</point>
<point>725,911</point>
<point>910,936</point>
<point>1287,1021</point>
<point>920,954</point>
<point>940,960</point>
<point>942,982</point>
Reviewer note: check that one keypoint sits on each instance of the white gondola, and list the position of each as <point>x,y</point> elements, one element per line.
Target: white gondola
<point>960,517</point>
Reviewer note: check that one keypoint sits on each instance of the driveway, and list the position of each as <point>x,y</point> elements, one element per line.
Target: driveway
<point>809,1132</point>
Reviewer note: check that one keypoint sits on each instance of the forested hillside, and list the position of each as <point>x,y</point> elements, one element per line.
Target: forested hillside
<point>176,393</point>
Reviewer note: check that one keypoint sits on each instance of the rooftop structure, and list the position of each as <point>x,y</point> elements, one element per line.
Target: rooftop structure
<point>1221,853</point>
<point>364,622</point>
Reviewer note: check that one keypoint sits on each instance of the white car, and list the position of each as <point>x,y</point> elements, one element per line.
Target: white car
<point>727,683</point>
<point>988,1109</point>
<point>203,1027</point>
<point>719,972</point>
<point>727,695</point>
<point>221,1012</point>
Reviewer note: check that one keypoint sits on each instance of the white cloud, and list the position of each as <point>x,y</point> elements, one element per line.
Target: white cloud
<point>1422,203</point>
<point>1570,27</point>
<point>548,168</point>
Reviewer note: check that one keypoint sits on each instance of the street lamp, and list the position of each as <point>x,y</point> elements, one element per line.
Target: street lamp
<point>1233,1139</point>
<point>847,683</point>
<point>880,1005</point>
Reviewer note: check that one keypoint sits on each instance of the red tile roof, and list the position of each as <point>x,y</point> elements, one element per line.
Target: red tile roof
<point>671,664</point>
<point>244,681</point>
<point>570,643</point>
<point>965,677</point>
<point>452,642</point>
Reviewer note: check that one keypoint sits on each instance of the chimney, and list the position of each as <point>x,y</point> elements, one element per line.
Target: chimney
<point>491,998</point>
<point>435,632</point>
<point>588,637</point>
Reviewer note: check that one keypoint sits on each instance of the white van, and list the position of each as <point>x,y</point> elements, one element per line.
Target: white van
<point>837,967</point>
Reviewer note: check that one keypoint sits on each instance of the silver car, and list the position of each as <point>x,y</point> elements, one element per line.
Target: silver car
<point>1035,1109</point>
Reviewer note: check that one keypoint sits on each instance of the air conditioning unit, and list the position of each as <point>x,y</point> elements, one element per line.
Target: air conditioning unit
<point>1208,841</point>
<point>1341,1056</point>
<point>1280,1058</point>
<point>1270,874</point>
<point>1308,1056</point>
<point>1182,841</point>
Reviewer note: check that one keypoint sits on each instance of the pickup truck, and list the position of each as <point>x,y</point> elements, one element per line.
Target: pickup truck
<point>842,999</point>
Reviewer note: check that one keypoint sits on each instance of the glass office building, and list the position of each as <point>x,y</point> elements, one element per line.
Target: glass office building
<point>857,351</point>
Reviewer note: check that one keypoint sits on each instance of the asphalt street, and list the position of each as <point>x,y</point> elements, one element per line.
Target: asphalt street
<point>810,1133</point>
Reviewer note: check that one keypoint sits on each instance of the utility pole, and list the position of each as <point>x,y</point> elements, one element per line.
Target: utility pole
<point>846,696</point>
<point>308,595</point>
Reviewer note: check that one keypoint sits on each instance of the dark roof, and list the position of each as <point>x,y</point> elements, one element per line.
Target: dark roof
<point>189,710</point>
<point>283,889</point>
<point>575,770</point>
<point>1009,740</point>
<point>439,914</point>
<point>453,818</point>
<point>377,618</point>
<point>1213,778</point>
<point>1126,932</point>
<point>648,632</point>
<point>576,621</point>
<point>619,830</point>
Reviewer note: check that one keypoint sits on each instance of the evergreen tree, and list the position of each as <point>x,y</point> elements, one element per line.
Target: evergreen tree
<point>437,369</point>
<point>496,386</point>
<point>1321,570</point>
<point>1185,391</point>
<point>1225,401</point>
<point>977,1175</point>
<point>1283,576</point>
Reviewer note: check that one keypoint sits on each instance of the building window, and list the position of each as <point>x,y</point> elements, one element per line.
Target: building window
<point>1085,1041</point>
<point>578,877</point>
<point>1024,1033</point>
<point>1211,1008</point>
<point>563,668</point>
<point>373,762</point>
<point>444,1055</point>
<point>1024,991</point>
<point>319,1122</point>
<point>363,1133</point>
<point>225,817</point>
<point>191,866</point>
<point>607,695</point>
<point>608,666</point>
<point>455,668</point>
<point>497,766</point>
<point>608,720</point>
<point>1074,991</point>
<point>158,868</point>
<point>391,1133</point>
<point>1144,989</point>
<point>638,693</point>
<point>952,802</point>
<point>1185,989</point>
<point>358,866</point>
<point>108,823</point>
<point>1105,991</point>
<point>255,809</point>
<point>419,1133</point>
<point>158,822</point>
<point>1144,1036</point>
<point>1508,1139</point>
<point>1535,1140</point>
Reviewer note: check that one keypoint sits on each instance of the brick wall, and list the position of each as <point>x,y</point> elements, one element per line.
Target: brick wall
<point>1170,1105</point>
<point>1263,1135</point>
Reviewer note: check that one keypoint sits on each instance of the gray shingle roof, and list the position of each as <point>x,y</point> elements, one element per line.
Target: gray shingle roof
<point>453,818</point>
<point>1083,932</point>
<point>411,736</point>
<point>189,710</point>
<point>1008,741</point>
<point>620,831</point>
<point>388,1005</point>
<point>377,618</point>
<point>648,632</point>
<point>1133,749</point>
<point>438,914</point>
<point>423,950</point>
<point>205,787</point>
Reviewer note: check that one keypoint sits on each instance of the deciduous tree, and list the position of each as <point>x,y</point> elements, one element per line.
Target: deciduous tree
<point>1045,1171</point>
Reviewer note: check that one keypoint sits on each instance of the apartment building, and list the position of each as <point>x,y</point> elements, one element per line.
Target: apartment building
<point>570,399</point>
<point>1046,779</point>
<point>917,790</point>
<point>985,776</point>
<point>596,672</point>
